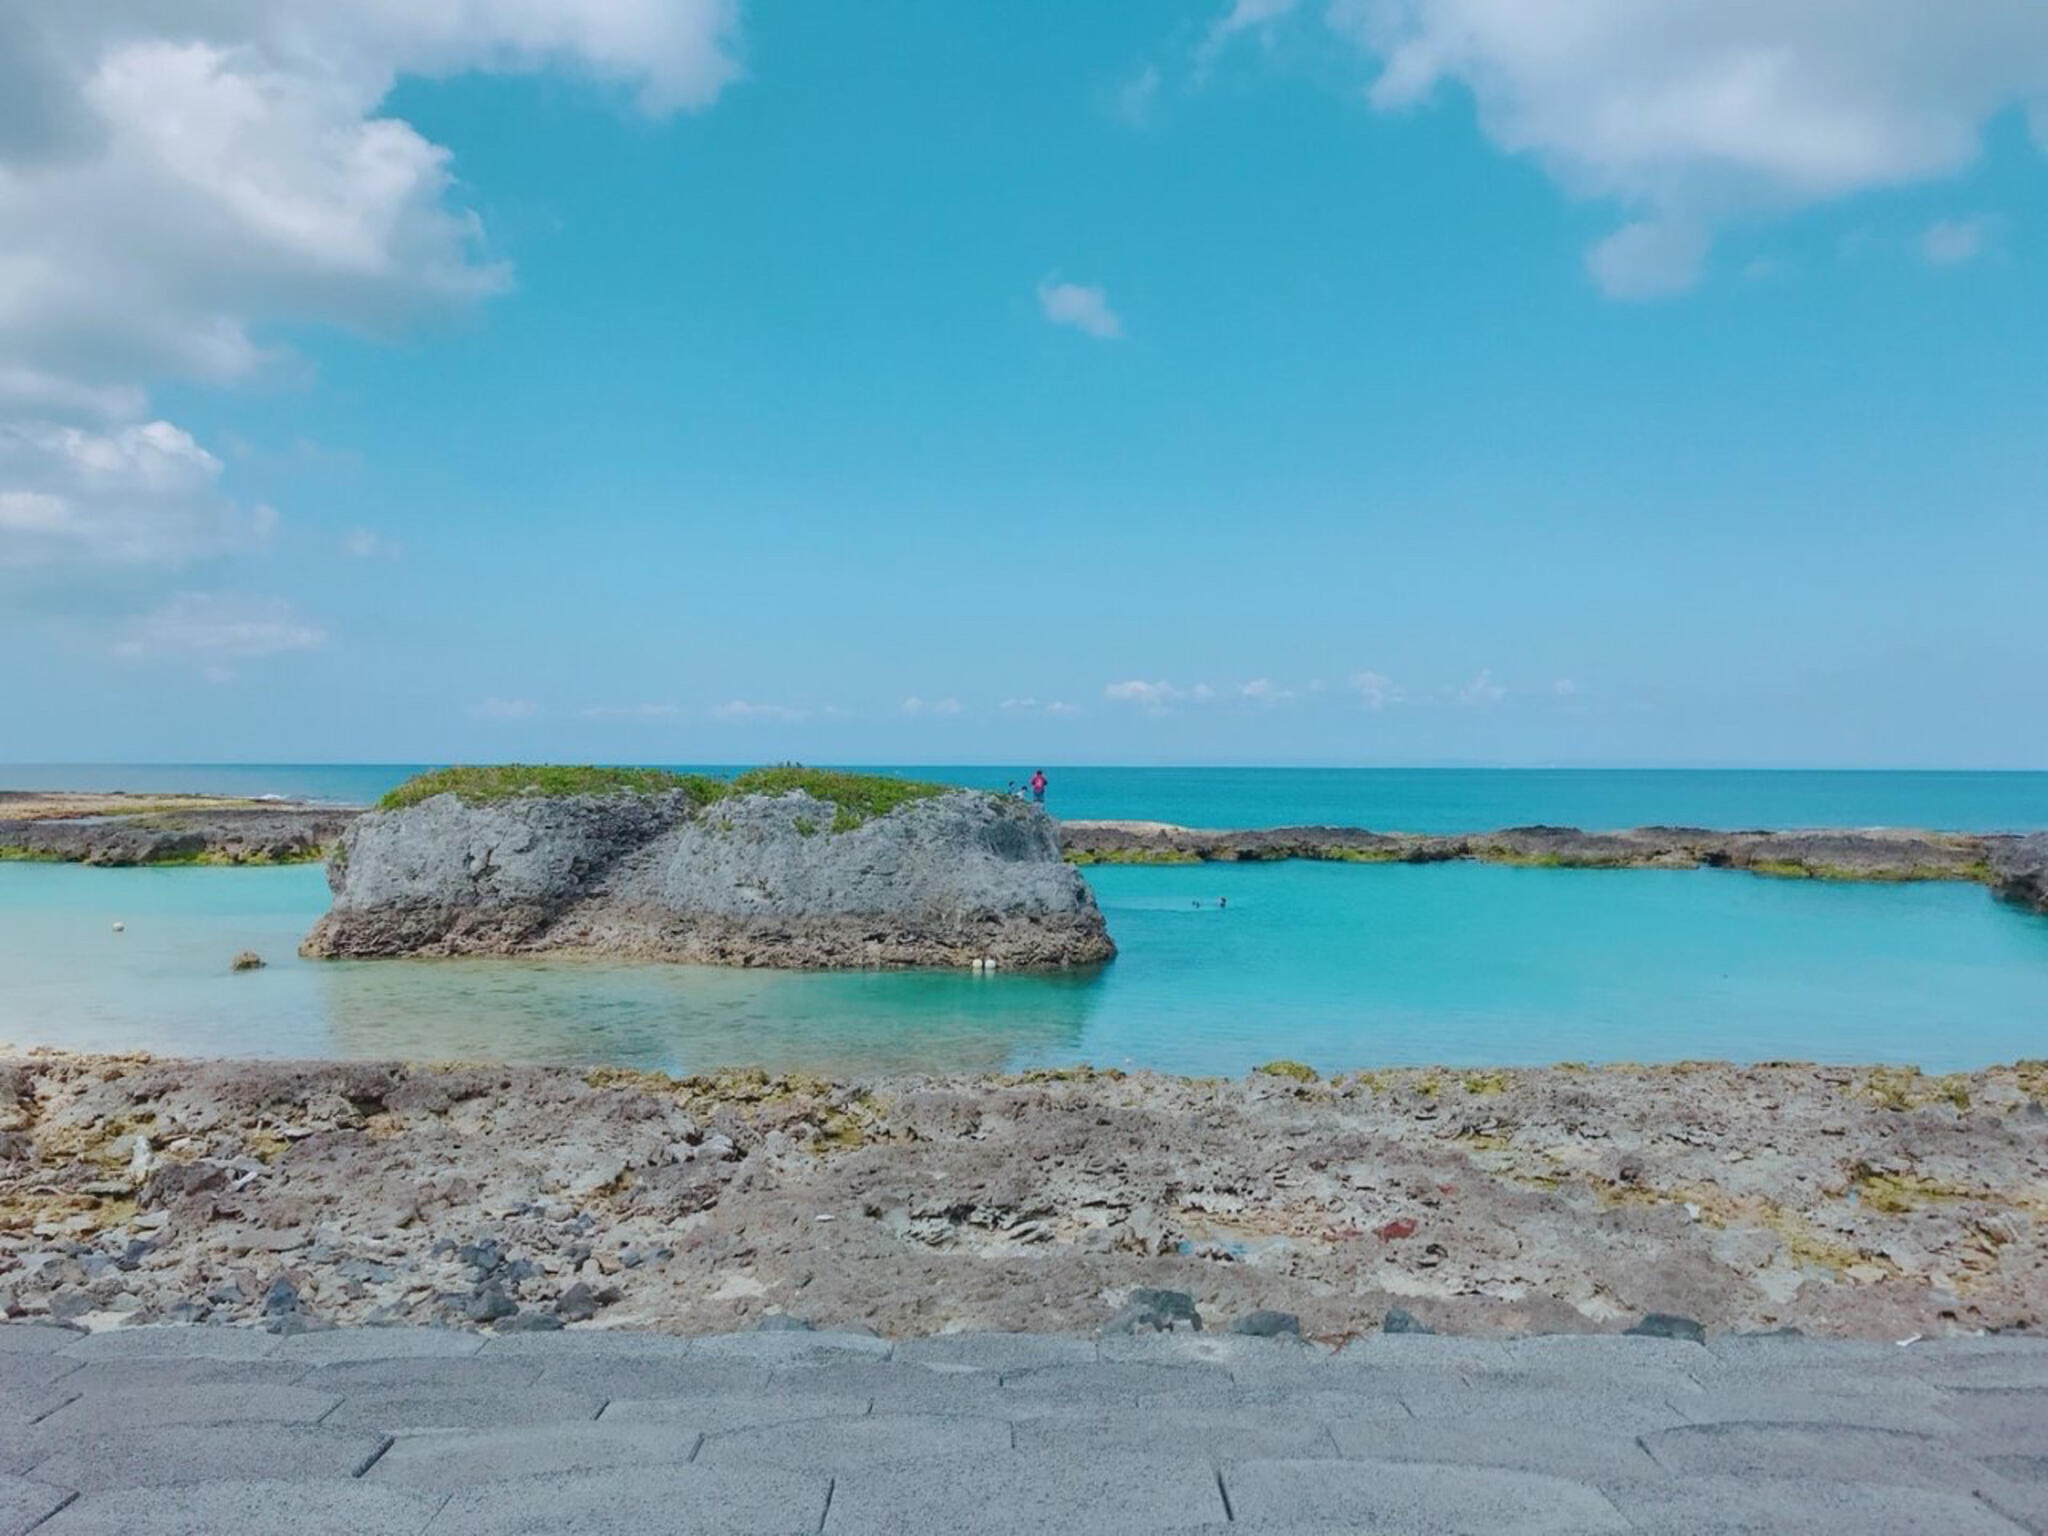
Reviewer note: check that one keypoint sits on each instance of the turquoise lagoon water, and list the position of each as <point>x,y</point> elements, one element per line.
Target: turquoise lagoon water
<point>1389,799</point>
<point>1338,965</point>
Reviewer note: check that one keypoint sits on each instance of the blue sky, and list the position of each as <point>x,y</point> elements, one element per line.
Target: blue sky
<point>1397,381</point>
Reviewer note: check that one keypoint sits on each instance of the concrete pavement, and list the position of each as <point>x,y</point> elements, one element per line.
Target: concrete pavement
<point>150,1431</point>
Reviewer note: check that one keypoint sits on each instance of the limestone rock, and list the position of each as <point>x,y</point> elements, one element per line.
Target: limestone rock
<point>747,880</point>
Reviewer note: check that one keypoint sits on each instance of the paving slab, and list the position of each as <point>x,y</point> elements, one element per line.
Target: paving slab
<point>454,1408</point>
<point>35,1338</point>
<point>2017,1491</point>
<point>702,1501</point>
<point>1110,1494</point>
<point>2000,1421</point>
<point>26,1371</point>
<point>839,1445</point>
<point>1913,1412</point>
<point>465,1458</point>
<point>996,1351</point>
<point>324,1508</point>
<point>785,1349</point>
<point>1087,1383</point>
<point>1453,1499</point>
<point>1810,1452</point>
<point>339,1344</point>
<point>24,1505</point>
<point>172,1341</point>
<point>219,1403</point>
<point>588,1344</point>
<point>734,1410</point>
<point>1517,1445</point>
<point>622,1376</point>
<point>159,1375</point>
<point>423,1374</point>
<point>149,1458</point>
<point>1735,1506</point>
<point>1224,1432</point>
<point>1619,1408</point>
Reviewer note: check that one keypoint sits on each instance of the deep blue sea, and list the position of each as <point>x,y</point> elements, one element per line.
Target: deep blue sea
<point>1337,965</point>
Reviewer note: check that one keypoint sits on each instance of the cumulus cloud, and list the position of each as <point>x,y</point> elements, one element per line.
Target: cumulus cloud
<point>368,544</point>
<point>1084,308</point>
<point>1375,690</point>
<point>1951,242</point>
<point>1038,707</point>
<point>1157,698</point>
<point>138,495</point>
<point>1482,690</point>
<point>218,627</point>
<point>917,706</point>
<point>177,180</point>
<point>505,709</point>
<point>1693,113</point>
<point>1263,690</point>
<point>747,709</point>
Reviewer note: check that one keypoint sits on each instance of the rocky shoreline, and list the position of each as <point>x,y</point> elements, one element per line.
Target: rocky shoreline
<point>118,830</point>
<point>1860,1201</point>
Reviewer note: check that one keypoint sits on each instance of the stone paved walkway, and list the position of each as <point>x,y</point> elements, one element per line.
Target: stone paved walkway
<point>367,1432</point>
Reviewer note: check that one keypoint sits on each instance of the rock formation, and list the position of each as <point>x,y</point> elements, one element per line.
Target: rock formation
<point>118,829</point>
<point>744,879</point>
<point>2019,870</point>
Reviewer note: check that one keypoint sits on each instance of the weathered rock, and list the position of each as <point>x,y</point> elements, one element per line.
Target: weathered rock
<point>247,960</point>
<point>2020,869</point>
<point>1668,1325</point>
<point>1267,1324</point>
<point>749,880</point>
<point>1401,1320</point>
<point>117,829</point>
<point>1150,1310</point>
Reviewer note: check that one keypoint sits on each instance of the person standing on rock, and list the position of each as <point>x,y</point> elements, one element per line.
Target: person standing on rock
<point>1038,783</point>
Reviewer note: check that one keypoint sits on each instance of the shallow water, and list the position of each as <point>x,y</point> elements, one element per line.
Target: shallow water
<point>1337,965</point>
<point>1388,799</point>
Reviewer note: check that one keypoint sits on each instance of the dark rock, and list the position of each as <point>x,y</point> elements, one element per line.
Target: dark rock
<point>483,1257</point>
<point>1668,1325</point>
<point>530,1322</point>
<point>290,1323</point>
<point>2020,871</point>
<point>1267,1324</point>
<point>1401,1320</point>
<point>578,1304</point>
<point>69,1302</point>
<point>489,1304</point>
<point>782,1322</point>
<point>1155,1311</point>
<point>282,1297</point>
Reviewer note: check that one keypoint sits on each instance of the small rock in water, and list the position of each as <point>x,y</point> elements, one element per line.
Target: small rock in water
<point>120,927</point>
<point>1156,1311</point>
<point>1401,1320</point>
<point>1669,1325</point>
<point>1268,1324</point>
<point>247,960</point>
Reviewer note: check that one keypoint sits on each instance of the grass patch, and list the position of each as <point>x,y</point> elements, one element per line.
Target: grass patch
<point>1083,856</point>
<point>15,853</point>
<point>1294,1071</point>
<point>507,781</point>
<point>856,797</point>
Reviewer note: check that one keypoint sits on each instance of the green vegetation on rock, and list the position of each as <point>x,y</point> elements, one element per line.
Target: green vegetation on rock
<point>857,797</point>
<point>1295,1071</point>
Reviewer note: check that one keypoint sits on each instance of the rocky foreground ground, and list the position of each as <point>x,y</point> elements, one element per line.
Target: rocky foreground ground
<point>1870,1202</point>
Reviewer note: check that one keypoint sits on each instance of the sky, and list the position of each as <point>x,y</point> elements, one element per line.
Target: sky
<point>1378,381</point>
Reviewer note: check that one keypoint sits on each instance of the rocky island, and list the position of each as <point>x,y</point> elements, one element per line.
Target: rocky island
<point>779,867</point>
<point>116,829</point>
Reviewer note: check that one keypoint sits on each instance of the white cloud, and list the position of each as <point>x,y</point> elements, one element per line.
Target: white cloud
<point>629,711</point>
<point>1243,16</point>
<point>1138,97</point>
<point>1482,690</point>
<point>138,495</point>
<point>1263,690</point>
<point>1080,306</point>
<point>1564,688</point>
<point>746,709</point>
<point>1038,707</point>
<point>1157,698</point>
<point>1375,690</point>
<point>218,627</point>
<point>1694,113</point>
<point>1952,242</point>
<point>916,706</point>
<point>178,180</point>
<point>368,544</point>
<point>505,709</point>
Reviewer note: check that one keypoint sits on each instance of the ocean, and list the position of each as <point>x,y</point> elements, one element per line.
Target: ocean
<point>1339,966</point>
